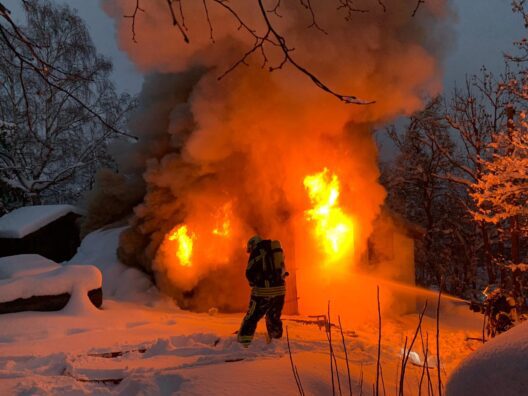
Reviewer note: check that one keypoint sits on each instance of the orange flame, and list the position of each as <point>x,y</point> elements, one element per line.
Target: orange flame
<point>333,228</point>
<point>223,229</point>
<point>185,244</point>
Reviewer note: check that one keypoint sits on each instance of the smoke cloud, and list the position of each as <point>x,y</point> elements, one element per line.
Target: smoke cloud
<point>227,158</point>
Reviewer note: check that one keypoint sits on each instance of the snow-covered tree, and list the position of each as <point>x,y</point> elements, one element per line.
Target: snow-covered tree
<point>56,141</point>
<point>8,195</point>
<point>501,192</point>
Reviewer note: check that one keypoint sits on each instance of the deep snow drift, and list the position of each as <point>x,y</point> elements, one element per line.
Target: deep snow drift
<point>499,368</point>
<point>64,279</point>
<point>141,343</point>
<point>24,265</point>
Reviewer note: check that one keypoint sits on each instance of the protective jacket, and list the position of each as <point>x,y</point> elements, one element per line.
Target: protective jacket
<point>265,270</point>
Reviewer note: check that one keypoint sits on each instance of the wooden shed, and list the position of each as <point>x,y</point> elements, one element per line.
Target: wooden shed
<point>49,230</point>
<point>390,256</point>
<point>391,247</point>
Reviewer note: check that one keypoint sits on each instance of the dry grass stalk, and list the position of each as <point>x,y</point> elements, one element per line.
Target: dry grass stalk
<point>346,355</point>
<point>293,367</point>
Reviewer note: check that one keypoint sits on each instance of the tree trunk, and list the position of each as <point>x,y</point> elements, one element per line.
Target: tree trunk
<point>490,266</point>
<point>515,240</point>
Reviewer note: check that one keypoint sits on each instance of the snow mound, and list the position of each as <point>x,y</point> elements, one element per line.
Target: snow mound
<point>499,368</point>
<point>23,221</point>
<point>61,280</point>
<point>119,281</point>
<point>25,265</point>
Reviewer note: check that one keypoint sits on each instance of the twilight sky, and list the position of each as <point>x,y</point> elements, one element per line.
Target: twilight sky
<point>485,29</point>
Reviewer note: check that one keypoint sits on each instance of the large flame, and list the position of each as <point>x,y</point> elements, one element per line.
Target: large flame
<point>333,228</point>
<point>184,242</point>
<point>202,243</point>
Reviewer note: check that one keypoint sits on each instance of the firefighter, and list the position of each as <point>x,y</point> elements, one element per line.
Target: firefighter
<point>499,308</point>
<point>266,275</point>
<point>502,312</point>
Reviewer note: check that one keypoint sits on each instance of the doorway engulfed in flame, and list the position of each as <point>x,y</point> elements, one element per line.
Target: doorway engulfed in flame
<point>333,229</point>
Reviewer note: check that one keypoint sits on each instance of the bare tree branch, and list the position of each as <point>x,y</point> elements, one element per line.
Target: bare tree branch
<point>418,4</point>
<point>133,17</point>
<point>270,37</point>
<point>208,21</point>
<point>175,21</point>
<point>286,51</point>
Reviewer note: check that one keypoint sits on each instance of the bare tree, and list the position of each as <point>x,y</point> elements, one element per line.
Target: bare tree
<point>28,53</point>
<point>416,191</point>
<point>58,97</point>
<point>474,114</point>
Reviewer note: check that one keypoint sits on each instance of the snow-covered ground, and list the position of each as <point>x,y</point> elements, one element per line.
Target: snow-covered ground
<point>140,343</point>
<point>499,368</point>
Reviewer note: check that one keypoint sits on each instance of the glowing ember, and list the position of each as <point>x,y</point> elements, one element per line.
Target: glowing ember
<point>185,244</point>
<point>333,227</point>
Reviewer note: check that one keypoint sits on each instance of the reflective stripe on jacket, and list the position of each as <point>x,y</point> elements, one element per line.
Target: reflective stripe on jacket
<point>268,291</point>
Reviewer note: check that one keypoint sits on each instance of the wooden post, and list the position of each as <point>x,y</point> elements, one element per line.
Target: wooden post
<point>291,305</point>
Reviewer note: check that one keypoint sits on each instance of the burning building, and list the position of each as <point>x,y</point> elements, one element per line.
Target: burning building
<point>266,152</point>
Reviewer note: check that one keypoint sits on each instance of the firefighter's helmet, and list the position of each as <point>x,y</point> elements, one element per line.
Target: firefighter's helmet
<point>253,241</point>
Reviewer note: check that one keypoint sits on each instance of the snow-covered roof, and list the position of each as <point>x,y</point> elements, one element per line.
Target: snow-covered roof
<point>25,265</point>
<point>23,221</point>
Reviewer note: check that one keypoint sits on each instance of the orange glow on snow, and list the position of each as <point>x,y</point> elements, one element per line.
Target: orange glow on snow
<point>333,228</point>
<point>185,244</point>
